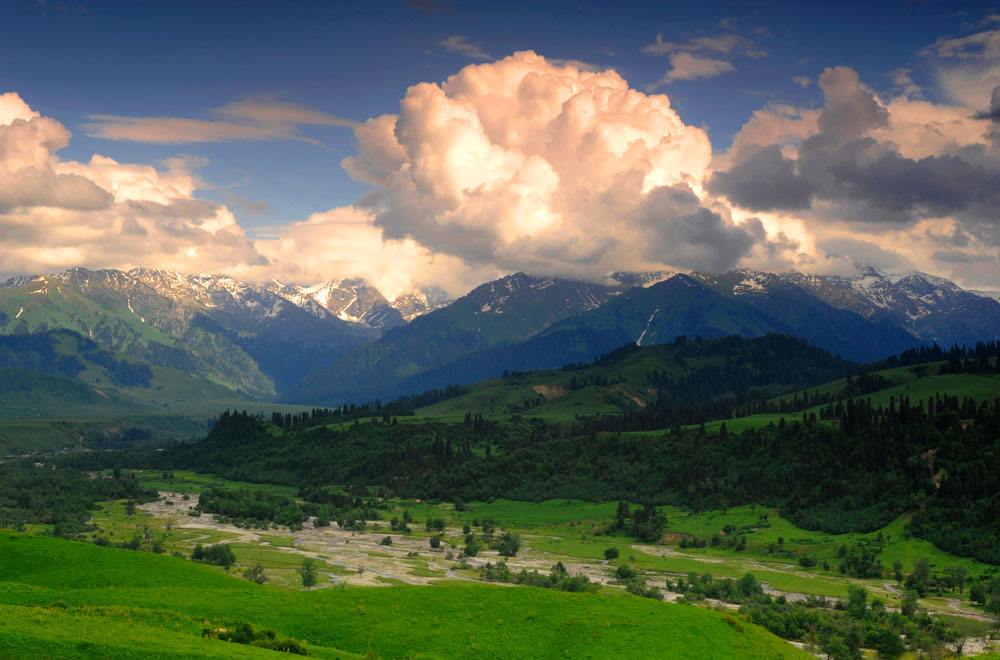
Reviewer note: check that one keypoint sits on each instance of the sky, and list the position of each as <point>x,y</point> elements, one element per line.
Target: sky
<point>446,143</point>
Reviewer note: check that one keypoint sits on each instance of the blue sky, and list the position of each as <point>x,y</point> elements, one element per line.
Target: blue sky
<point>131,70</point>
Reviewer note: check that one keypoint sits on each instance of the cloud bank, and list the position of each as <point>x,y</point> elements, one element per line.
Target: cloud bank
<point>546,166</point>
<point>871,171</point>
<point>56,213</point>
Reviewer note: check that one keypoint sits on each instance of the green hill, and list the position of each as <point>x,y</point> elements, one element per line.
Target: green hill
<point>919,383</point>
<point>61,599</point>
<point>632,378</point>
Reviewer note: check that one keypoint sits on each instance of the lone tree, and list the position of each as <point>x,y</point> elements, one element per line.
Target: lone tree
<point>611,553</point>
<point>255,574</point>
<point>308,573</point>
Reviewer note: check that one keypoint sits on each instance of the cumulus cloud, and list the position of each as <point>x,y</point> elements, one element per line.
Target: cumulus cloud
<point>855,165</point>
<point>56,213</point>
<point>106,214</point>
<point>889,181</point>
<point>343,242</point>
<point>28,176</point>
<point>250,120</point>
<point>546,166</point>
<point>525,165</point>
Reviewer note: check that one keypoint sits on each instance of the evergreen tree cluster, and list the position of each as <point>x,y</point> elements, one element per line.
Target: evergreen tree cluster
<point>34,493</point>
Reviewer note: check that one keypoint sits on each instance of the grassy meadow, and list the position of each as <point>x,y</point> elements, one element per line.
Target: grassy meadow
<point>105,602</point>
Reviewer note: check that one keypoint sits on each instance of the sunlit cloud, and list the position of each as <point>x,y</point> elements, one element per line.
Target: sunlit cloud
<point>546,166</point>
<point>250,120</point>
<point>103,213</point>
<point>686,66</point>
<point>526,165</point>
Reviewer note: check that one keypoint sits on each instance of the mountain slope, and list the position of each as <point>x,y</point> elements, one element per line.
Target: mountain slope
<point>285,340</point>
<point>211,326</point>
<point>657,314</point>
<point>507,310</point>
<point>420,301</point>
<point>352,300</point>
<point>931,309</point>
<point>808,316</point>
<point>830,313</point>
<point>60,373</point>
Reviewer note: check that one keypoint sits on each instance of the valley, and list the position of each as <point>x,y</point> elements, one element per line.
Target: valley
<point>666,473</point>
<point>576,534</point>
<point>450,330</point>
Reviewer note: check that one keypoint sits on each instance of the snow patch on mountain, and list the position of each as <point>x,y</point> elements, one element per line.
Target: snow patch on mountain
<point>638,342</point>
<point>420,301</point>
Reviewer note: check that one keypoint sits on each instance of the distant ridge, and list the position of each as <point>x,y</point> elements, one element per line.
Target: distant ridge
<point>344,341</point>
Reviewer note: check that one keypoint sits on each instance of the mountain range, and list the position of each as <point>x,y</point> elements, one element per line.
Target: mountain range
<point>344,341</point>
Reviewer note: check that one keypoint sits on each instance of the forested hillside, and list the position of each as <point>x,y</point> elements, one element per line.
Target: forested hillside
<point>856,475</point>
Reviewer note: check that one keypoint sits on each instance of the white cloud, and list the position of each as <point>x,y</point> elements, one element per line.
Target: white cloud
<point>691,67</point>
<point>102,213</point>
<point>105,214</point>
<point>460,44</point>
<point>802,81</point>
<point>539,165</point>
<point>250,120</point>
<point>343,242</point>
<point>526,165</point>
<point>967,69</point>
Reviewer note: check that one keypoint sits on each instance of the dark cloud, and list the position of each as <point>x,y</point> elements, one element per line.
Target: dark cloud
<point>957,238</point>
<point>687,235</point>
<point>764,181</point>
<point>245,205</point>
<point>863,179</point>
<point>994,111</point>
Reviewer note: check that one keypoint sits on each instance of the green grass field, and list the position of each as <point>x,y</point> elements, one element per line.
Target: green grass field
<point>61,599</point>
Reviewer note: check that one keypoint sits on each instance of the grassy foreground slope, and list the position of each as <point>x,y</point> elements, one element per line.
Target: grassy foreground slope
<point>60,599</point>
